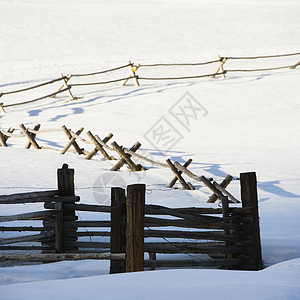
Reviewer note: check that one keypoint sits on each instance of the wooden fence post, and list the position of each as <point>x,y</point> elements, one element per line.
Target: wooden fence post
<point>135,205</point>
<point>249,199</point>
<point>118,229</point>
<point>59,227</point>
<point>225,211</point>
<point>65,182</point>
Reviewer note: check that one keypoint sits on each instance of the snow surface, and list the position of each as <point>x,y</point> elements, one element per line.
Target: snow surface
<point>252,124</point>
<point>277,282</point>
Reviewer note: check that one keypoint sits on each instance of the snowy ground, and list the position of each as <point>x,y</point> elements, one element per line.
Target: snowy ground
<point>249,122</point>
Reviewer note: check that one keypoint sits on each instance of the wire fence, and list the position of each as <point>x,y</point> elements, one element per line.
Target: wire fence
<point>69,81</point>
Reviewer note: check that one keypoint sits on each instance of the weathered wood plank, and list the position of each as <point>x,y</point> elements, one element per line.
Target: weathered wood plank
<point>92,233</point>
<point>98,245</point>
<point>175,213</point>
<point>22,239</point>
<point>175,247</point>
<point>38,215</point>
<point>205,235</point>
<point>152,209</point>
<point>75,224</point>
<point>157,222</point>
<point>81,207</point>
<point>61,256</point>
<point>22,228</point>
<point>191,263</point>
<point>24,248</point>
<point>27,197</point>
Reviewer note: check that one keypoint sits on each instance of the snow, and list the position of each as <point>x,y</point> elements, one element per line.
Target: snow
<point>251,124</point>
<point>277,282</point>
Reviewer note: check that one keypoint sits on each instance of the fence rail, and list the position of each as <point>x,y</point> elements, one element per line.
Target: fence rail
<point>134,68</point>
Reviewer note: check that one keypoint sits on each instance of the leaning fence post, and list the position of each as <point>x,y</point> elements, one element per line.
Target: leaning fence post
<point>118,229</point>
<point>135,206</point>
<point>249,199</point>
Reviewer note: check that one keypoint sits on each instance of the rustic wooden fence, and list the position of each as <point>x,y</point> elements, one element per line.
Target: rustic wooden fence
<point>71,81</point>
<point>229,236</point>
<point>127,157</point>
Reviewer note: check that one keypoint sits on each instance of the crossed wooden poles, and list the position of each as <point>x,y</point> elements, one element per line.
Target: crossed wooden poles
<point>125,157</point>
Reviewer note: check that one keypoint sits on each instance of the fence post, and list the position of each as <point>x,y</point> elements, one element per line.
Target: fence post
<point>59,227</point>
<point>118,229</point>
<point>225,211</point>
<point>249,199</point>
<point>135,206</point>
<point>65,183</point>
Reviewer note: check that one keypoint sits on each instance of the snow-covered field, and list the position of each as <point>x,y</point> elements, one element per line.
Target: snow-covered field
<point>249,122</point>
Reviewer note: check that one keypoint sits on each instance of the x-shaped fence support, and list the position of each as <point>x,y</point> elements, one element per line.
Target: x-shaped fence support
<point>132,74</point>
<point>30,136</point>
<point>221,67</point>
<point>72,141</point>
<point>4,137</point>
<point>186,185</point>
<point>126,158</point>
<point>97,142</point>
<point>65,84</point>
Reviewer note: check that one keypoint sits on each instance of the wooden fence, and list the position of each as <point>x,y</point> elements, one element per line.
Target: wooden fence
<point>71,81</point>
<point>228,236</point>
<point>127,157</point>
